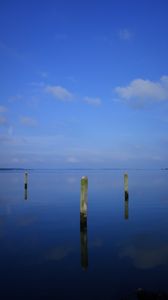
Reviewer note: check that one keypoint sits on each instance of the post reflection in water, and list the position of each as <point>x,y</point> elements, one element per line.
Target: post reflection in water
<point>126,208</point>
<point>25,185</point>
<point>25,194</point>
<point>126,196</point>
<point>84,245</point>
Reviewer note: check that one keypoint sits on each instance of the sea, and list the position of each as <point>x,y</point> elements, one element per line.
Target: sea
<point>46,254</point>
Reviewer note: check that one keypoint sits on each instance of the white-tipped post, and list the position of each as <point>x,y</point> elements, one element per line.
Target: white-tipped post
<point>83,200</point>
<point>126,185</point>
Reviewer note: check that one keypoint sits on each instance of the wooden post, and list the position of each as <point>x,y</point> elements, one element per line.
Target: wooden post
<point>25,180</point>
<point>83,222</point>
<point>126,186</point>
<point>83,200</point>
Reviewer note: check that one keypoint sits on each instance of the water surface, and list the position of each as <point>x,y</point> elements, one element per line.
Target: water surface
<point>45,255</point>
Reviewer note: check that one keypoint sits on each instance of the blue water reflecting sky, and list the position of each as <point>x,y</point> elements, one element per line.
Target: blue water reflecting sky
<point>126,241</point>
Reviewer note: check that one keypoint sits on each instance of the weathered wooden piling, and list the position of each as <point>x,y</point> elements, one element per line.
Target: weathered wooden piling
<point>126,186</point>
<point>83,222</point>
<point>83,201</point>
<point>25,180</point>
<point>84,247</point>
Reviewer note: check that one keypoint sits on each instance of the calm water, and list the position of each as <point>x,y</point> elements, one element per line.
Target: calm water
<point>43,254</point>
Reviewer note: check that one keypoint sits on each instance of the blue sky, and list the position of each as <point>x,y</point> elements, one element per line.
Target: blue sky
<point>83,83</point>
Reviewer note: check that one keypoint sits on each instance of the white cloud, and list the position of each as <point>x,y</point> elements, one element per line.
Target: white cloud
<point>19,160</point>
<point>59,92</point>
<point>27,121</point>
<point>37,84</point>
<point>6,139</point>
<point>2,109</point>
<point>3,120</point>
<point>141,91</point>
<point>92,101</point>
<point>72,159</point>
<point>44,74</point>
<point>10,130</point>
<point>71,79</point>
<point>18,97</point>
<point>125,34</point>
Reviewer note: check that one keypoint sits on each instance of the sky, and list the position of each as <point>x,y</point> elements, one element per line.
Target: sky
<point>84,84</point>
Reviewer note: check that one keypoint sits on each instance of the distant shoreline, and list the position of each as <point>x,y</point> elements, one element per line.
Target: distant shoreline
<point>80,169</point>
